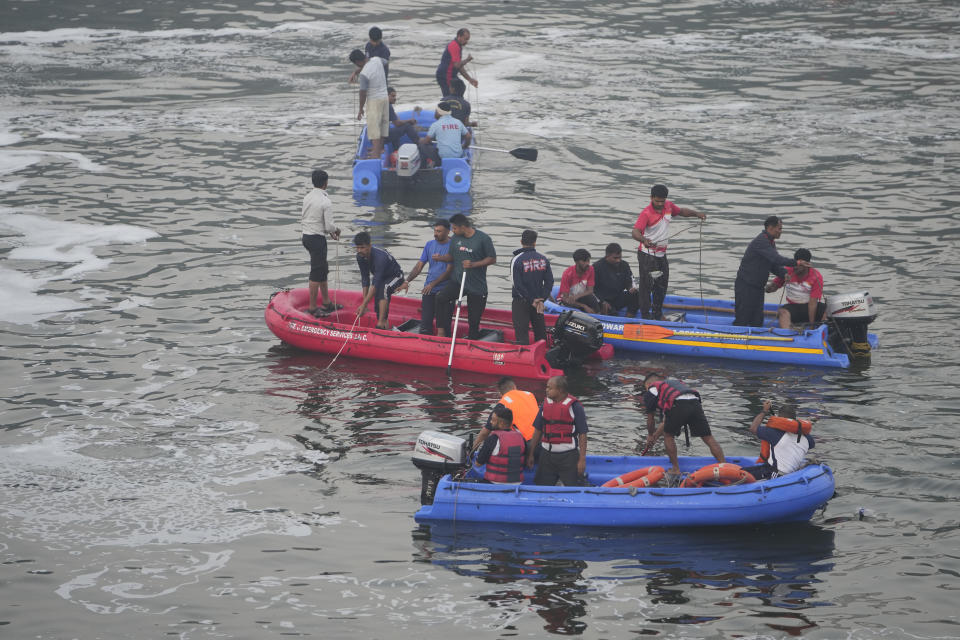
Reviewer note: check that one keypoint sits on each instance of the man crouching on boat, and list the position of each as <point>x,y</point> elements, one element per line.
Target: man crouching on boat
<point>387,276</point>
<point>561,431</point>
<point>503,450</point>
<point>681,408</point>
<point>784,442</point>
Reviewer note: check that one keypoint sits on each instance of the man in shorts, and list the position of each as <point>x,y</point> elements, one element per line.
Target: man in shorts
<point>373,96</point>
<point>804,290</point>
<point>387,276</point>
<point>316,222</point>
<point>681,408</point>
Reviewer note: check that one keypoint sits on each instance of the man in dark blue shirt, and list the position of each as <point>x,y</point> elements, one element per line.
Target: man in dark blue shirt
<point>376,49</point>
<point>400,128</point>
<point>613,283</point>
<point>387,276</point>
<point>758,262</point>
<point>532,284</point>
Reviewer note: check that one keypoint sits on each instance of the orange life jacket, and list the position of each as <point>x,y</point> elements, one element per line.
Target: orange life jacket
<point>788,425</point>
<point>525,409</point>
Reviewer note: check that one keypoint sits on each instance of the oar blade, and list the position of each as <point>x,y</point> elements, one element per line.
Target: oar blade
<point>524,153</point>
<point>645,332</point>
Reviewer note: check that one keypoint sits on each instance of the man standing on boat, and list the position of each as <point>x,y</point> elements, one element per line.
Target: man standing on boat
<point>373,97</point>
<point>758,262</point>
<point>316,221</point>
<point>375,48</point>
<point>532,284</point>
<point>681,409</point>
<point>438,272</point>
<point>652,231</point>
<point>804,289</point>
<point>614,283</point>
<point>560,430</point>
<point>452,63</point>
<point>387,277</point>
<point>471,252</point>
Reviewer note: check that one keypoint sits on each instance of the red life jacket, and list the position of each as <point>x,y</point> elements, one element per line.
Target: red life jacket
<point>507,464</point>
<point>788,425</point>
<point>669,390</point>
<point>558,421</point>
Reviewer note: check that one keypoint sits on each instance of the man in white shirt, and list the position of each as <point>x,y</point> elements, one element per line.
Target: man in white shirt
<point>373,96</point>
<point>316,221</point>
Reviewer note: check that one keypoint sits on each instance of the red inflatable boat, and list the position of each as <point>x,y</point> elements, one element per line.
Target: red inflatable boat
<point>494,353</point>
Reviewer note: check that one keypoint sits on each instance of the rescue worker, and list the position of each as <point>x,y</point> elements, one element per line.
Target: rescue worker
<point>503,451</point>
<point>681,407</point>
<point>523,406</point>
<point>784,442</point>
<point>560,430</point>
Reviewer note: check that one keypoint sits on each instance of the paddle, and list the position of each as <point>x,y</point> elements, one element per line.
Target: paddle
<point>453,338</point>
<point>522,153</point>
<point>656,332</point>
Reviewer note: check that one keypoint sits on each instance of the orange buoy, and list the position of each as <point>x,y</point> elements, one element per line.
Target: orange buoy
<point>644,477</point>
<point>721,473</point>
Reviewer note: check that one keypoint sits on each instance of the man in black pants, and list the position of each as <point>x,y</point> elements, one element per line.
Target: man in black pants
<point>758,262</point>
<point>532,284</point>
<point>614,283</point>
<point>471,251</point>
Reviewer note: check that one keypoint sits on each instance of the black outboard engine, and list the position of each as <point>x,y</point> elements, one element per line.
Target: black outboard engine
<point>848,315</point>
<point>437,454</point>
<point>576,335</point>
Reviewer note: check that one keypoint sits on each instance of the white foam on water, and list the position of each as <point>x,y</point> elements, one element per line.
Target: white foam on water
<point>83,35</point>
<point>8,138</point>
<point>58,135</point>
<point>37,238</point>
<point>13,160</point>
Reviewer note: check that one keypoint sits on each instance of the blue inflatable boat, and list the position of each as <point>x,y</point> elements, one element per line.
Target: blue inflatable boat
<point>395,171</point>
<point>704,328</point>
<point>790,498</point>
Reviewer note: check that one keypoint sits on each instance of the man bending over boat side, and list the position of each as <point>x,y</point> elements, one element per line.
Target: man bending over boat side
<point>523,406</point>
<point>560,430</point>
<point>681,408</point>
<point>471,252</point>
<point>503,450</point>
<point>652,231</point>
<point>532,284</point>
<point>316,221</point>
<point>438,272</point>
<point>784,442</point>
<point>387,277</point>
<point>451,136</point>
<point>577,282</point>
<point>803,291</point>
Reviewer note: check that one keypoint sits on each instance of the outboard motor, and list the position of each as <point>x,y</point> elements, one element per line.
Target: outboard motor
<point>408,160</point>
<point>437,454</point>
<point>576,335</point>
<point>848,315</point>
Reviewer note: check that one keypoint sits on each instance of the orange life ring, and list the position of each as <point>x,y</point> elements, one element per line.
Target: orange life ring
<point>645,477</point>
<point>721,472</point>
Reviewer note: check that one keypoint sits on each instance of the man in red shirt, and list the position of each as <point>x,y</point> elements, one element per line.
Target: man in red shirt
<point>451,65</point>
<point>803,293</point>
<point>577,282</point>
<point>652,231</point>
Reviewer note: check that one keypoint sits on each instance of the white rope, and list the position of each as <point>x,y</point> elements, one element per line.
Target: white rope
<point>345,341</point>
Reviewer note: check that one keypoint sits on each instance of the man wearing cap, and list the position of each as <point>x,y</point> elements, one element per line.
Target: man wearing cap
<point>804,289</point>
<point>652,231</point>
<point>450,134</point>
<point>373,96</point>
<point>758,262</point>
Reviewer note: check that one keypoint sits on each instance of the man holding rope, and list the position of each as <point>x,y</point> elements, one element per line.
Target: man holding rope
<point>652,231</point>
<point>451,65</point>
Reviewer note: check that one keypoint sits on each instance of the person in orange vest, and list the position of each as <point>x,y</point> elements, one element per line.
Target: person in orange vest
<point>503,451</point>
<point>560,430</point>
<point>522,404</point>
<point>681,408</point>
<point>784,442</point>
